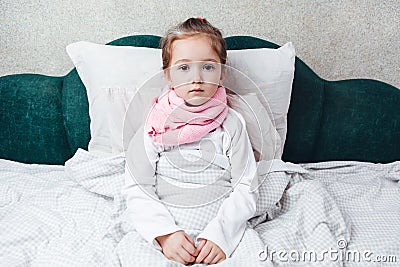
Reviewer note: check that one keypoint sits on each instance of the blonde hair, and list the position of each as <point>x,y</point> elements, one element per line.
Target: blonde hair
<point>189,28</point>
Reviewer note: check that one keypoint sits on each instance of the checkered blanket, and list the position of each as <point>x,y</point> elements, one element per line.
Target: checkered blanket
<point>308,214</point>
<point>192,195</point>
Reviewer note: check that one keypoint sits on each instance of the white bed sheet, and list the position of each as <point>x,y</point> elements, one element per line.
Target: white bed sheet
<point>69,216</point>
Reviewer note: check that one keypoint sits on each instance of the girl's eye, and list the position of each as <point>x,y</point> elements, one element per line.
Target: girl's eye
<point>183,67</point>
<point>209,67</point>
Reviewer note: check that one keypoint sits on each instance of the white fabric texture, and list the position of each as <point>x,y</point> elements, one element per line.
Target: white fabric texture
<point>104,69</point>
<point>121,123</point>
<point>269,73</point>
<point>265,140</point>
<point>71,216</point>
<point>203,211</point>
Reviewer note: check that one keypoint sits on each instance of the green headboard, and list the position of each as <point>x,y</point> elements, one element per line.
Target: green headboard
<point>45,119</point>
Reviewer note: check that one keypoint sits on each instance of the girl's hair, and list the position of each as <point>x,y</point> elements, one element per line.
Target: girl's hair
<point>192,27</point>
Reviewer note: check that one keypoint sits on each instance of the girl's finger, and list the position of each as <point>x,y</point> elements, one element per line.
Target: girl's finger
<point>218,258</point>
<point>189,238</point>
<point>200,246</point>
<point>185,256</point>
<point>223,258</point>
<point>209,259</point>
<point>203,253</point>
<point>189,247</point>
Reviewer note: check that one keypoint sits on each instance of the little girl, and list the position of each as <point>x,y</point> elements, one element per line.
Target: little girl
<point>189,173</point>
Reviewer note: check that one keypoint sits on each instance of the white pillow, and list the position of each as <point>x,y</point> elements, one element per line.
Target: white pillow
<point>264,138</point>
<point>127,111</point>
<point>101,67</point>
<point>267,72</point>
<point>113,74</point>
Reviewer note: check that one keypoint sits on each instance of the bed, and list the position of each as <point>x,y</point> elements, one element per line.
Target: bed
<point>333,199</point>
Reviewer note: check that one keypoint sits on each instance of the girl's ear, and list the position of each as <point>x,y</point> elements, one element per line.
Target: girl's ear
<point>223,74</point>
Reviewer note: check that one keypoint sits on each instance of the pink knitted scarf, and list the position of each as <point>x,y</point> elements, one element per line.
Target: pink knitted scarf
<point>172,122</point>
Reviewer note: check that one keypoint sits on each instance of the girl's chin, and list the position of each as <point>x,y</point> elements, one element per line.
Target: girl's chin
<point>196,101</point>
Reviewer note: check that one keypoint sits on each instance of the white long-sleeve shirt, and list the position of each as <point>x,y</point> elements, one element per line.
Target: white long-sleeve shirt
<point>151,217</point>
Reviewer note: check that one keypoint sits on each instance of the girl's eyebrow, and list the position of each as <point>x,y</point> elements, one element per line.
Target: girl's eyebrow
<point>189,60</point>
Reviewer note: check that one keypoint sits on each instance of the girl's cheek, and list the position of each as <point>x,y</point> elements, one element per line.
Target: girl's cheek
<point>212,77</point>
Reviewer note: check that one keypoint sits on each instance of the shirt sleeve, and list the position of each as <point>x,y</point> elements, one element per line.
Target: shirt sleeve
<point>227,228</point>
<point>144,210</point>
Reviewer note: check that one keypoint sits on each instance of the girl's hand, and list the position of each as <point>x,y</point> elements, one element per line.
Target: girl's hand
<point>209,252</point>
<point>178,246</point>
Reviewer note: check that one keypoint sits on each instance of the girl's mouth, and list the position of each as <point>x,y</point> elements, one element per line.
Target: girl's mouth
<point>196,90</point>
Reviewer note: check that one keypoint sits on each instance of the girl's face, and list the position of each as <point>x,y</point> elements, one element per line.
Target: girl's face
<point>195,70</point>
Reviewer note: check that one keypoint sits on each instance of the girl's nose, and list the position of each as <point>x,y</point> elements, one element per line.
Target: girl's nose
<point>197,77</point>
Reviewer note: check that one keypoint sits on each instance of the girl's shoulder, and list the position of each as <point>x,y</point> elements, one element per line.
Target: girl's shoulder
<point>234,123</point>
<point>234,118</point>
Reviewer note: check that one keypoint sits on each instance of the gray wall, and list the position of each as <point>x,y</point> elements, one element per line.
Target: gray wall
<point>338,39</point>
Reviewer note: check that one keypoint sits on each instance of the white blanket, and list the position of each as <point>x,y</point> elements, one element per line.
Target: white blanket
<point>69,216</point>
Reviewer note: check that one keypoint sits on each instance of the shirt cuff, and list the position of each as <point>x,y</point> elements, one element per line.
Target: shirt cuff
<point>151,238</point>
<point>225,231</point>
<point>216,234</point>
